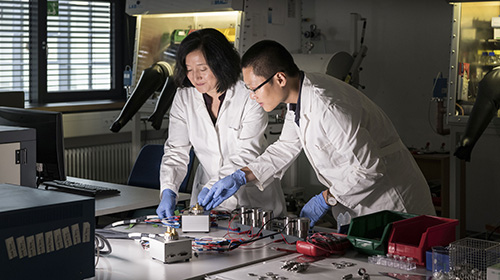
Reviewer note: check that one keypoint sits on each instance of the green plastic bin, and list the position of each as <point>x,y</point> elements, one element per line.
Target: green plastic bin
<point>369,234</point>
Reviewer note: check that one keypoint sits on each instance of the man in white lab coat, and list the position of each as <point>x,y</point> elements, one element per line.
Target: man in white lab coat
<point>213,113</point>
<point>349,141</point>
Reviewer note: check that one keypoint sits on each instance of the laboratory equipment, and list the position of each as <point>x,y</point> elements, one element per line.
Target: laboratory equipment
<point>472,54</point>
<point>336,65</point>
<point>341,65</point>
<point>303,227</point>
<point>267,217</point>
<point>170,248</point>
<point>256,216</point>
<point>49,136</point>
<point>196,219</point>
<point>245,216</point>
<point>471,36</point>
<point>45,235</point>
<point>290,225</point>
<point>155,78</point>
<point>472,81</point>
<point>161,25</point>
<point>470,257</point>
<point>17,155</point>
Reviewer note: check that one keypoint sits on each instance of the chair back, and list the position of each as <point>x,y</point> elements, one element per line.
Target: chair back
<point>146,170</point>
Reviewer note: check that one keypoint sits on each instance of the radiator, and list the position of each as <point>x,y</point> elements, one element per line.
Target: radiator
<point>108,163</point>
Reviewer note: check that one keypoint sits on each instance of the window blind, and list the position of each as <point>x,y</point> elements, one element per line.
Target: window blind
<point>14,45</point>
<point>79,46</point>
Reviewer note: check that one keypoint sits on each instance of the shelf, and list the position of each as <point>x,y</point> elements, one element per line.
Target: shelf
<point>489,41</point>
<point>477,64</point>
<point>436,167</point>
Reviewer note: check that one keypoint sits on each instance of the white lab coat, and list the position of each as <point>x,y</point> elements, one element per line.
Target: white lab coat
<point>353,148</point>
<point>235,140</point>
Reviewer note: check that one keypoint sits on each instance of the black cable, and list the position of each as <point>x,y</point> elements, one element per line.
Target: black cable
<point>492,232</point>
<point>253,239</point>
<point>112,234</point>
<point>131,221</point>
<point>270,220</point>
<point>103,248</point>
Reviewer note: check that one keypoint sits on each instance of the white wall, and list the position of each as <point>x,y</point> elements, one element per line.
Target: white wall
<point>408,44</point>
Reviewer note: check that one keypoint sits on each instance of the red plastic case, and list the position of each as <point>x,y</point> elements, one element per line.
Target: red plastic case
<point>414,236</point>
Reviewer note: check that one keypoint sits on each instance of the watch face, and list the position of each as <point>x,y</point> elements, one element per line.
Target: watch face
<point>332,201</point>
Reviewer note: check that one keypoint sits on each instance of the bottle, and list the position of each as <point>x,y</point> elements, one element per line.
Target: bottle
<point>497,56</point>
<point>484,57</point>
<point>491,58</point>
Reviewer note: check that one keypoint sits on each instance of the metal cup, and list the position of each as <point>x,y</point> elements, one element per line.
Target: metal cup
<point>290,224</point>
<point>245,216</point>
<point>267,216</point>
<point>303,227</point>
<point>256,217</point>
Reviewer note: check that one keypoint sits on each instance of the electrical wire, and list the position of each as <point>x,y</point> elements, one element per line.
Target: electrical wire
<point>131,221</point>
<point>111,234</point>
<point>199,244</point>
<point>251,240</point>
<point>439,74</point>
<point>232,243</point>
<point>102,247</point>
<point>492,232</point>
<point>429,117</point>
<point>327,242</point>
<point>461,108</point>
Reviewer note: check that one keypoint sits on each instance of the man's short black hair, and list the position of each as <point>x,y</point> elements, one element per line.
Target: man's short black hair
<point>221,57</point>
<point>268,57</point>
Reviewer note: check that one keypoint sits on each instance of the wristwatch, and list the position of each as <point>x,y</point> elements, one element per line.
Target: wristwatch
<point>330,199</point>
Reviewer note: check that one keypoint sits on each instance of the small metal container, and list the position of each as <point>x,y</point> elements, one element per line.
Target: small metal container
<point>267,216</point>
<point>245,216</point>
<point>256,217</point>
<point>303,227</point>
<point>290,225</point>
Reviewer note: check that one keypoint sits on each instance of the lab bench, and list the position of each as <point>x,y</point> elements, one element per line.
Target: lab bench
<point>129,260</point>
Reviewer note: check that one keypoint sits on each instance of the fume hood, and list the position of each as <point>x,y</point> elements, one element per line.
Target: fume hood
<point>161,25</point>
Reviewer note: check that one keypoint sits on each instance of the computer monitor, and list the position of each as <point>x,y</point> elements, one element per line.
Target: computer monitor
<point>49,138</point>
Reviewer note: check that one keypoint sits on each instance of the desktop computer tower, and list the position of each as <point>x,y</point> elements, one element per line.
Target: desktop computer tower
<point>18,156</point>
<point>45,234</point>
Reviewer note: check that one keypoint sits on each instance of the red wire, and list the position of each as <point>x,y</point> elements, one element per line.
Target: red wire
<point>229,225</point>
<point>284,239</point>
<point>327,242</point>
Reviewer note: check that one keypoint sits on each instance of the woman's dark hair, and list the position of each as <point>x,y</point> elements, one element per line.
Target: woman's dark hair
<point>268,57</point>
<point>221,57</point>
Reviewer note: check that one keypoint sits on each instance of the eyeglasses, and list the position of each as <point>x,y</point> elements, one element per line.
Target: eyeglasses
<point>262,84</point>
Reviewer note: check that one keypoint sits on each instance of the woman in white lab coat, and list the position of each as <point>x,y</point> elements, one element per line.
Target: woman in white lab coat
<point>351,144</point>
<point>212,113</point>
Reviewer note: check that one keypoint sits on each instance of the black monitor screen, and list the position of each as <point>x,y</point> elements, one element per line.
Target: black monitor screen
<point>49,138</point>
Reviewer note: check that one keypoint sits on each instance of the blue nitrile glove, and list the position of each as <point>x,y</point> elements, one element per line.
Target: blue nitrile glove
<point>203,194</point>
<point>167,204</point>
<point>224,189</point>
<point>315,208</point>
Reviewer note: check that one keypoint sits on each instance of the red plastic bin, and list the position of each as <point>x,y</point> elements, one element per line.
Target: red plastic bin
<point>414,236</point>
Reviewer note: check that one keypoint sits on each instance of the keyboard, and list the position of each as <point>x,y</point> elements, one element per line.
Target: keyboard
<point>81,188</point>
